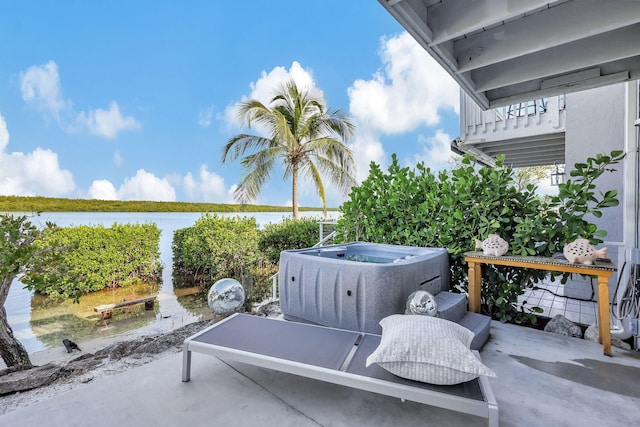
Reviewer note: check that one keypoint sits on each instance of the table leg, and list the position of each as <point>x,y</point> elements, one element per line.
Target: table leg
<point>186,363</point>
<point>604,319</point>
<point>475,286</point>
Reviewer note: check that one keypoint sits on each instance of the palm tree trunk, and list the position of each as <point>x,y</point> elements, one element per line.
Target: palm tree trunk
<point>11,350</point>
<point>294,190</point>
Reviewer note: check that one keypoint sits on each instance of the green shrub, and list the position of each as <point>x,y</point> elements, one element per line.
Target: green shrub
<point>289,234</point>
<point>217,247</point>
<point>262,283</point>
<point>415,207</point>
<point>78,260</point>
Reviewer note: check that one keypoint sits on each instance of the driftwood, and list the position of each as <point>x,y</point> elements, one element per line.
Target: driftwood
<point>107,309</point>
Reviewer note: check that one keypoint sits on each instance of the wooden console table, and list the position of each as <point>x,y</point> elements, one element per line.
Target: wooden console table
<point>602,270</point>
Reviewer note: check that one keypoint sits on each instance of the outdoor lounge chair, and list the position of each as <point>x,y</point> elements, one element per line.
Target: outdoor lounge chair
<point>333,355</point>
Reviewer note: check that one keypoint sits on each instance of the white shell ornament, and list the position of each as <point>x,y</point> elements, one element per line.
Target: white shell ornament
<point>493,245</point>
<point>580,251</point>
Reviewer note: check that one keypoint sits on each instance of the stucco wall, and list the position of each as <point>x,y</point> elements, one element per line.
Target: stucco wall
<point>595,123</point>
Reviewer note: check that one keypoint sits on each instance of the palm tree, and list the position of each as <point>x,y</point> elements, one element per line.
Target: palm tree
<point>309,141</point>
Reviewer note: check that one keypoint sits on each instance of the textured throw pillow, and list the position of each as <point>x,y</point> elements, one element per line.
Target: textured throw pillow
<point>427,349</point>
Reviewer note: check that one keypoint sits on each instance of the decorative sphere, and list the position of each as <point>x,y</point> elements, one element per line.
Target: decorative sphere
<point>225,296</point>
<point>422,302</point>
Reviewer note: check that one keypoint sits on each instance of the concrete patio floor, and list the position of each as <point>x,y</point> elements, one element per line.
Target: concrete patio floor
<point>542,380</point>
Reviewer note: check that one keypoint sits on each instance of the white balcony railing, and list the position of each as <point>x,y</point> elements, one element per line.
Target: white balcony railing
<point>523,120</point>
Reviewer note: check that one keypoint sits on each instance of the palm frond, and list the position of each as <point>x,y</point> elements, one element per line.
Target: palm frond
<point>315,175</point>
<point>257,167</point>
<point>333,149</point>
<point>338,175</point>
<point>240,144</point>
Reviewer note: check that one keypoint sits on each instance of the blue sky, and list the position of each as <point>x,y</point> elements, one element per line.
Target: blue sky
<point>133,100</point>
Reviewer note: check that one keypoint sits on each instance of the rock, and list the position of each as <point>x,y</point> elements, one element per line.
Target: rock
<point>81,365</point>
<point>593,334</point>
<point>269,309</point>
<point>159,346</point>
<point>562,326</point>
<point>29,379</point>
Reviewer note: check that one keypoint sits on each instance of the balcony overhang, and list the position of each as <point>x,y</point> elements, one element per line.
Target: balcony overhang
<point>541,150</point>
<point>509,51</point>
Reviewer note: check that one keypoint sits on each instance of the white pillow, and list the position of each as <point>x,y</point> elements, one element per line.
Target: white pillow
<point>427,349</point>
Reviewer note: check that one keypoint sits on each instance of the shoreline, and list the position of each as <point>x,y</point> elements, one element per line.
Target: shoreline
<point>98,358</point>
<point>103,357</point>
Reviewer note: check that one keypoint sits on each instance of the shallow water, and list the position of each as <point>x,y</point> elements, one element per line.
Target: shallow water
<point>40,324</point>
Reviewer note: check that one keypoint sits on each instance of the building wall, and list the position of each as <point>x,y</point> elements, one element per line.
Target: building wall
<point>595,123</point>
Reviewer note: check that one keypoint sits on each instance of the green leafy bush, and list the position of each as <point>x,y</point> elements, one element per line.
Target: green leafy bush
<point>77,260</point>
<point>563,219</point>
<point>415,207</point>
<point>289,234</point>
<point>262,283</point>
<point>218,247</point>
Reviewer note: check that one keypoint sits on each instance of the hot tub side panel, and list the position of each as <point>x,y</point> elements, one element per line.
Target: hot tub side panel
<point>353,295</point>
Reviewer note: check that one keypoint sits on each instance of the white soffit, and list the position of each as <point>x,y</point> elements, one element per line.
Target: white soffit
<point>503,52</point>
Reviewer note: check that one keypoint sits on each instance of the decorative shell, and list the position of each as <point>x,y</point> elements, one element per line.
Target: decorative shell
<point>493,245</point>
<point>580,251</point>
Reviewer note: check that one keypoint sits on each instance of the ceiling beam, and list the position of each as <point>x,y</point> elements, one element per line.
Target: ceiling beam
<point>582,54</point>
<point>447,22</point>
<point>549,28</point>
<point>509,51</point>
<point>516,96</point>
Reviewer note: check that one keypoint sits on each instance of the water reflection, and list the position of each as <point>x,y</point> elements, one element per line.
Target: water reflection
<point>41,324</point>
<point>52,321</point>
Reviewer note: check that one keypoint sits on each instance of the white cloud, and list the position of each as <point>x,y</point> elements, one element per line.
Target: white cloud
<point>4,134</point>
<point>205,116</point>
<point>146,186</point>
<point>409,92</point>
<point>41,88</point>
<point>107,123</point>
<point>265,87</point>
<point>33,174</point>
<point>231,191</point>
<point>117,158</point>
<point>102,189</point>
<point>367,148</point>
<point>436,151</point>
<point>207,187</point>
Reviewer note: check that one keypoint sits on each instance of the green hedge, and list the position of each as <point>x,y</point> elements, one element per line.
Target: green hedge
<point>77,260</point>
<point>450,210</point>
<point>218,247</point>
<point>289,234</point>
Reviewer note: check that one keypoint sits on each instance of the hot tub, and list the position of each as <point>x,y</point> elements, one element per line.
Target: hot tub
<point>354,286</point>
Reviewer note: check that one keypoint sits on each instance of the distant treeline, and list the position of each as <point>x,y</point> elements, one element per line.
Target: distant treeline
<point>50,204</point>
